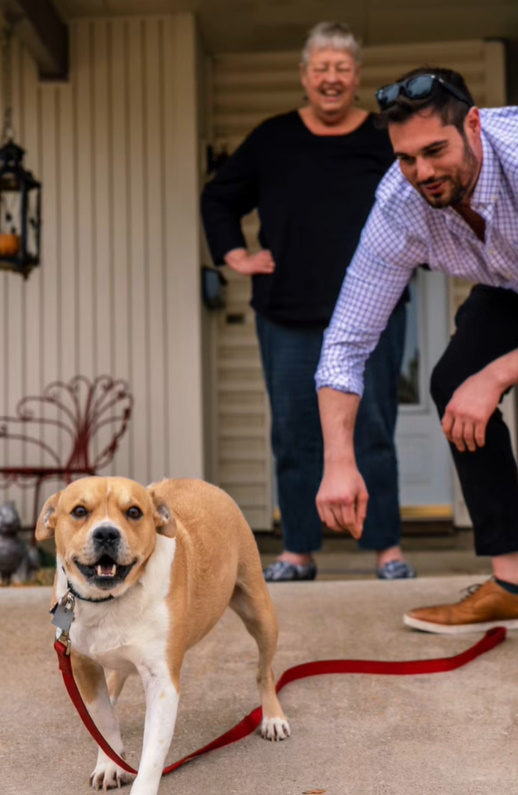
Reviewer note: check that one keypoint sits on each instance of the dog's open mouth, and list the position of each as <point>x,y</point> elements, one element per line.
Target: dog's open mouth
<point>105,573</point>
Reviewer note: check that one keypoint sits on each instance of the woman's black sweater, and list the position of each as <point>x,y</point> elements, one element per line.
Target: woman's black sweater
<point>313,194</point>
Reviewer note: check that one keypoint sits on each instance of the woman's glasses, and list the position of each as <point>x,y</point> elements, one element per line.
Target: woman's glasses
<point>419,87</point>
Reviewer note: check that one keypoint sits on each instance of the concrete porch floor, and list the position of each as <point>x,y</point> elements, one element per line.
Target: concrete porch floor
<point>440,554</point>
<point>444,734</point>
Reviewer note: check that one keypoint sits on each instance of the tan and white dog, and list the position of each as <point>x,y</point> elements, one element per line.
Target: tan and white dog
<point>152,570</point>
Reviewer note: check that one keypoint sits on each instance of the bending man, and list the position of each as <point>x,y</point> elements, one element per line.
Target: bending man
<point>450,201</point>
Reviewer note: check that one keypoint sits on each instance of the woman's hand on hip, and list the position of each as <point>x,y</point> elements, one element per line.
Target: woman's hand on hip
<point>250,264</point>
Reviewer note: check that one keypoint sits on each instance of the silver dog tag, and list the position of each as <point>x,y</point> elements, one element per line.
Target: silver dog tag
<point>63,613</point>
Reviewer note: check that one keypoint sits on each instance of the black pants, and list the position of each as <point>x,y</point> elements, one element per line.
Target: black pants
<point>486,328</point>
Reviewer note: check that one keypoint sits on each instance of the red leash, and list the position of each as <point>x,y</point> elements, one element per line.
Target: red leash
<point>492,638</point>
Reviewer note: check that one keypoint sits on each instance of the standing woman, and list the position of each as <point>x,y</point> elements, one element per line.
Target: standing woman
<point>312,174</point>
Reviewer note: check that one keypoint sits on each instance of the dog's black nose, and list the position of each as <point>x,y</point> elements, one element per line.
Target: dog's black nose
<point>106,537</point>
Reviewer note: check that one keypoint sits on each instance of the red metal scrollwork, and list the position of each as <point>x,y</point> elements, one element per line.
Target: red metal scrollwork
<point>70,429</point>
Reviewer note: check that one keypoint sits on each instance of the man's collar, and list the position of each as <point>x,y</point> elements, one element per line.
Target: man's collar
<point>487,188</point>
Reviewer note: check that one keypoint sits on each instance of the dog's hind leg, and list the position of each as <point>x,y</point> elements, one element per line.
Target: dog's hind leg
<point>255,608</point>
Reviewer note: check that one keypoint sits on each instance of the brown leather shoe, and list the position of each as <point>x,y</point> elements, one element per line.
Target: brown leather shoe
<point>483,607</point>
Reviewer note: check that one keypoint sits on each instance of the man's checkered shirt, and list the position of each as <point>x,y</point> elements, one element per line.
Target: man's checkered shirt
<point>403,232</point>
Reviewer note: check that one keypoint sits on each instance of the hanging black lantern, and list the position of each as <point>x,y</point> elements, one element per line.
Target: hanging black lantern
<point>20,199</point>
<point>20,212</point>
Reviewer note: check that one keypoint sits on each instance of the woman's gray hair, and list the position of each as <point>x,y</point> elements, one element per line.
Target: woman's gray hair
<point>334,35</point>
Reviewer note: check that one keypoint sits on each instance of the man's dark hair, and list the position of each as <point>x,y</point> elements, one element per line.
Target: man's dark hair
<point>450,109</point>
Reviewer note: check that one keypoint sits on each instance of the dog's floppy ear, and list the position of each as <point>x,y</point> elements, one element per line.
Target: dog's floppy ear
<point>47,520</point>
<point>165,522</point>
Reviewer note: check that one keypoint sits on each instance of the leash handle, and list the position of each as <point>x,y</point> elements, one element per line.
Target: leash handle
<point>493,637</point>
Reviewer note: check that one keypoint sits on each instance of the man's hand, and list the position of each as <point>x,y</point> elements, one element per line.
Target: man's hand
<point>468,412</point>
<point>342,499</point>
<point>250,264</point>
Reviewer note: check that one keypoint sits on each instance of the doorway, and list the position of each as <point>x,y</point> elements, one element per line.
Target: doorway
<point>425,467</point>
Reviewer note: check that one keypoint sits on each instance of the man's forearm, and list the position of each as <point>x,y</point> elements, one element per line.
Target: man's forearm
<point>338,412</point>
<point>342,496</point>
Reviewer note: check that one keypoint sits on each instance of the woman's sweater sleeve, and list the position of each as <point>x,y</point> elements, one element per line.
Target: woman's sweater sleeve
<point>232,193</point>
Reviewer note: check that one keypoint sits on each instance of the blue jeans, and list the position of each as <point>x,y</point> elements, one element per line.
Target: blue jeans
<point>290,355</point>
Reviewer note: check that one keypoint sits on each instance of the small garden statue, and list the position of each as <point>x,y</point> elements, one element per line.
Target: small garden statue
<point>18,563</point>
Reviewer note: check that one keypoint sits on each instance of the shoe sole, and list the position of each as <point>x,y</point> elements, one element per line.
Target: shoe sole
<point>457,629</point>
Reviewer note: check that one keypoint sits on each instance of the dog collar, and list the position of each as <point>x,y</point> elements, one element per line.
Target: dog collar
<point>87,598</point>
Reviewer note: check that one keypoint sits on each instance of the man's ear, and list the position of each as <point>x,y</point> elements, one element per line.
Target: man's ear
<point>47,519</point>
<point>472,123</point>
<point>165,522</point>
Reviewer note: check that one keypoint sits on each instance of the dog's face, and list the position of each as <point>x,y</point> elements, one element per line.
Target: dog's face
<point>105,531</point>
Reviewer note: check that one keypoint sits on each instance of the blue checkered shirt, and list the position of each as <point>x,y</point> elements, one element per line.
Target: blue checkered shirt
<point>403,232</point>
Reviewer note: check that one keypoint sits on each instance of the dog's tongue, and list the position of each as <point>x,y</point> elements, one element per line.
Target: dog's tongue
<point>106,569</point>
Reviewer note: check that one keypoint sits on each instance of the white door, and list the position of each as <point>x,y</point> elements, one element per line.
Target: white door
<point>425,466</point>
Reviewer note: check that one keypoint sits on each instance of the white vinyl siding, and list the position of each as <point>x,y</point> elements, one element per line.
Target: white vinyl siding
<point>117,293</point>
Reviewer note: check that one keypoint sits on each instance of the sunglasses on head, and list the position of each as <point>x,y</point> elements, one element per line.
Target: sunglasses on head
<point>418,87</point>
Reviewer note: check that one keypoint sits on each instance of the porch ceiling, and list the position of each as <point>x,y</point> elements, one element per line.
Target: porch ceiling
<point>42,29</point>
<point>246,25</point>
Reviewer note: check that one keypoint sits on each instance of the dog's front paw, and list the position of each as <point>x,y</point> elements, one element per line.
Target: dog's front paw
<point>275,728</point>
<point>108,775</point>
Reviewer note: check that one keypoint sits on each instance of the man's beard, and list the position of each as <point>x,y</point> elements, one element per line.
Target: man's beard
<point>461,184</point>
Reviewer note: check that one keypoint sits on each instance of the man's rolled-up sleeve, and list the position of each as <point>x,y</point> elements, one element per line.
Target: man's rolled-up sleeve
<point>375,280</point>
